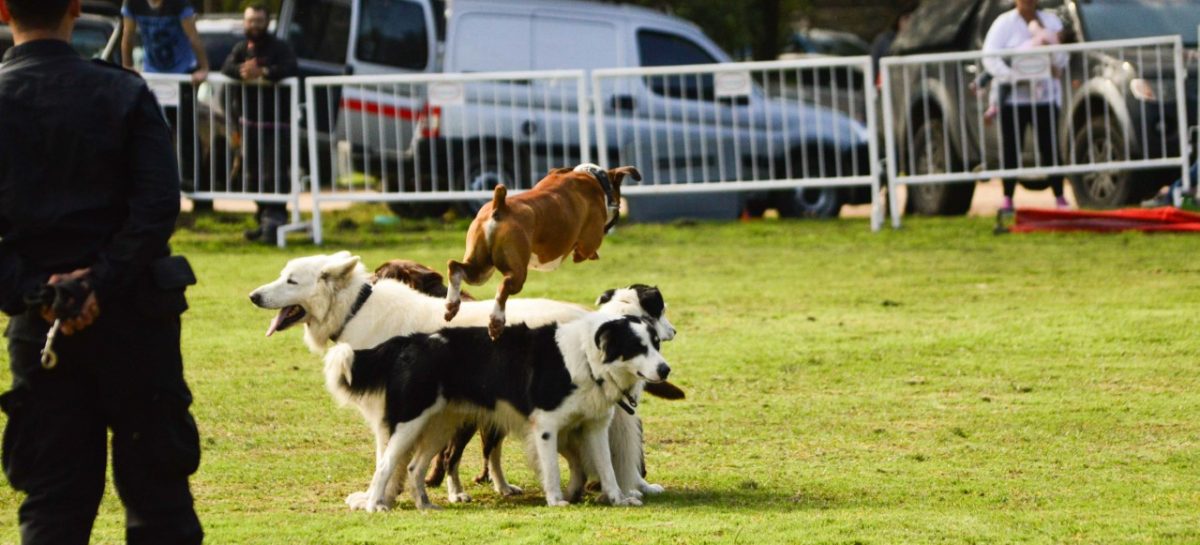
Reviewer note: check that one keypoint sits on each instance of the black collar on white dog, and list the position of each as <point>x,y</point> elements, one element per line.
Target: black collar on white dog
<point>363,294</point>
<point>629,404</point>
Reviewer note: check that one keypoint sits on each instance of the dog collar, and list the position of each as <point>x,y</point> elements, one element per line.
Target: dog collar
<point>628,404</point>
<point>363,294</point>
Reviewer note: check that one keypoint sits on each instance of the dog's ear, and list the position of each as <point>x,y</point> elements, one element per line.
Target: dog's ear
<point>430,282</point>
<point>617,175</point>
<point>605,297</point>
<point>651,300</point>
<point>340,268</point>
<point>616,338</point>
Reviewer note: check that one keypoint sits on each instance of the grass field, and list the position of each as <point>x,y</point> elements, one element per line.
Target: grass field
<point>933,385</point>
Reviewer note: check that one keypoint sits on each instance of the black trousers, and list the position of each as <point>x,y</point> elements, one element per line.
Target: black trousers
<point>123,373</point>
<point>1014,118</point>
<point>268,156</point>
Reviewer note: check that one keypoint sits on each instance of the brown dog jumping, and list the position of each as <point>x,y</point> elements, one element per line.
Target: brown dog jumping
<point>570,210</point>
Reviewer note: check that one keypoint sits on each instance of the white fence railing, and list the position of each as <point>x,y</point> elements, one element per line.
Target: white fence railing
<point>767,127</point>
<point>1089,108</point>
<point>741,127</point>
<point>235,140</point>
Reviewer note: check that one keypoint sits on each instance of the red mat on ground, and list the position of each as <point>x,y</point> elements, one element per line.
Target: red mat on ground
<point>1167,218</point>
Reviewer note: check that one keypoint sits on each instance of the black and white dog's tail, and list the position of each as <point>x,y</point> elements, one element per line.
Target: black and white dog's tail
<point>339,372</point>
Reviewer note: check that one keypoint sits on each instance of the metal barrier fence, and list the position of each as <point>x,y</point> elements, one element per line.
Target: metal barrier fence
<point>1116,105</point>
<point>442,137</point>
<point>235,140</point>
<point>741,127</point>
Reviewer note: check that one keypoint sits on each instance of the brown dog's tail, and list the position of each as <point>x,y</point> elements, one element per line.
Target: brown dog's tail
<point>665,390</point>
<point>498,204</point>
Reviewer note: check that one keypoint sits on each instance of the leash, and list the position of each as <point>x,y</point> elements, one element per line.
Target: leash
<point>363,294</point>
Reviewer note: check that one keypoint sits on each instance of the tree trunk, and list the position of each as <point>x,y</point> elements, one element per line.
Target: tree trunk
<point>766,46</point>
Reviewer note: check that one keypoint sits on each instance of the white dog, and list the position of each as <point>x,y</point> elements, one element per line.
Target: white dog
<point>334,299</point>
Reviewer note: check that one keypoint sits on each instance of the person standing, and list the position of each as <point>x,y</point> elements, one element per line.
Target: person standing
<point>171,45</point>
<point>1033,102</point>
<point>89,196</point>
<point>262,59</point>
<point>169,38</point>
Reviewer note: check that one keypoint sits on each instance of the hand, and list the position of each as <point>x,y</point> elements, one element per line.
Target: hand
<point>87,314</point>
<point>199,76</point>
<point>250,70</point>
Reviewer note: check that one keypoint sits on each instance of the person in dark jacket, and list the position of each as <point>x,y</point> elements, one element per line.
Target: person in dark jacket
<point>263,115</point>
<point>89,195</point>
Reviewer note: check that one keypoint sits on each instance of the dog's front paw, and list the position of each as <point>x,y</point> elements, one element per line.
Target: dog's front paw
<point>557,502</point>
<point>509,490</point>
<point>459,497</point>
<point>428,507</point>
<point>626,501</point>
<point>495,328</point>
<point>634,494</point>
<point>377,506</point>
<point>451,310</point>
<point>650,488</point>
<point>357,501</point>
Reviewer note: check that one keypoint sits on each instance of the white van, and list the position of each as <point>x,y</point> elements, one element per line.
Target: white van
<point>364,37</point>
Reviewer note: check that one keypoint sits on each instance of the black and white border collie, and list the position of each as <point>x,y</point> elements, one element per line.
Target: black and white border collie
<point>557,383</point>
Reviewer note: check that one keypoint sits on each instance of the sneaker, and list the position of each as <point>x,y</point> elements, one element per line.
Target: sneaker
<point>1061,203</point>
<point>1162,199</point>
<point>1007,207</point>
<point>253,235</point>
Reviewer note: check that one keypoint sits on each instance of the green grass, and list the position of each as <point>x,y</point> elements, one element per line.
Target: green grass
<point>933,385</point>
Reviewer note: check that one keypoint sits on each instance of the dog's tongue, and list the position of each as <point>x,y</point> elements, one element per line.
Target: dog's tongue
<point>276,321</point>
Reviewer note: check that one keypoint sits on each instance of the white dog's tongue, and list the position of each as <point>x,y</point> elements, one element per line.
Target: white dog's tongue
<point>275,321</point>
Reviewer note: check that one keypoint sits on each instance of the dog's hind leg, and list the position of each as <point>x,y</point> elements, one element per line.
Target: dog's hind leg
<point>454,452</point>
<point>578,478</point>
<point>494,466</point>
<point>511,285</point>
<point>489,439</point>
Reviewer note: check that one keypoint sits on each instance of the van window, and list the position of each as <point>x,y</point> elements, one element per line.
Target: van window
<point>392,32</point>
<point>320,30</point>
<point>492,42</point>
<point>666,49</point>
<point>560,43</point>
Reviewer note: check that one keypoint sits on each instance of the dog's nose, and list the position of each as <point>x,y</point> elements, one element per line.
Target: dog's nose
<point>663,371</point>
<point>256,298</point>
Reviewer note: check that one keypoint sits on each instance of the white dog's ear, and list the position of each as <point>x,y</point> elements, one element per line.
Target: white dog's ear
<point>605,297</point>
<point>341,267</point>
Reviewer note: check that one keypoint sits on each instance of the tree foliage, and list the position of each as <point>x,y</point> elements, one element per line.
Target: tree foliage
<point>755,28</point>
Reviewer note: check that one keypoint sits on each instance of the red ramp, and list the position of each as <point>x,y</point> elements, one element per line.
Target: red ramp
<point>1167,218</point>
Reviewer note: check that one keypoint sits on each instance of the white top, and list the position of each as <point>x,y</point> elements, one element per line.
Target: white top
<point>1011,32</point>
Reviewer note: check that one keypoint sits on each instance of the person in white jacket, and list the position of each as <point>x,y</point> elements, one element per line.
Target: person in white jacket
<point>1026,100</point>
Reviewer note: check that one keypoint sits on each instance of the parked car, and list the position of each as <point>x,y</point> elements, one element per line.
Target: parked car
<point>1099,106</point>
<point>398,36</point>
<point>97,32</point>
<point>824,42</point>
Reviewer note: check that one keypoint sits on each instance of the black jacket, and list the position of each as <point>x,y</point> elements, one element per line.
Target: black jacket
<point>88,176</point>
<point>256,104</point>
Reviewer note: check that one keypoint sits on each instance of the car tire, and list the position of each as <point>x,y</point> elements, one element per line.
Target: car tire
<point>1101,189</point>
<point>484,175</point>
<point>814,203</point>
<point>952,199</point>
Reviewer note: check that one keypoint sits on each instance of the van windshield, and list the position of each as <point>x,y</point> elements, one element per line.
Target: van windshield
<point>1123,19</point>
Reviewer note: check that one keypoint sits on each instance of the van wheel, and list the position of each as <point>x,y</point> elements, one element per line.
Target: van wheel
<point>484,176</point>
<point>816,202</point>
<point>1101,189</point>
<point>929,153</point>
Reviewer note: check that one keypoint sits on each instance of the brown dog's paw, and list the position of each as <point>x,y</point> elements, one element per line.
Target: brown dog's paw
<point>452,310</point>
<point>495,328</point>
<point>664,389</point>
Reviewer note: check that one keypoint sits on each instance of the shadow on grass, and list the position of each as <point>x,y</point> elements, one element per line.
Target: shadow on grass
<point>692,499</point>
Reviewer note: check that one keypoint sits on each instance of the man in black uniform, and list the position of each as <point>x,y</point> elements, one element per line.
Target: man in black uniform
<point>89,194</point>
<point>263,112</point>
